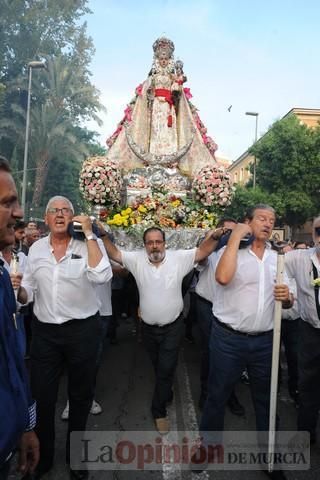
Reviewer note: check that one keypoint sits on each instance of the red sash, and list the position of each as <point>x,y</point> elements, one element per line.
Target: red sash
<point>166,94</point>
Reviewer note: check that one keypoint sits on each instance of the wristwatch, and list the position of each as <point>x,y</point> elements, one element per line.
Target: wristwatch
<point>91,236</point>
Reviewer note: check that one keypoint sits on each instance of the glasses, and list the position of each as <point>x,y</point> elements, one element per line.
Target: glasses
<point>55,211</point>
<point>150,243</point>
<point>317,231</point>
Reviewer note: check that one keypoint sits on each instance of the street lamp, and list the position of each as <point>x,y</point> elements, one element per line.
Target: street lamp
<point>31,66</point>
<point>254,114</point>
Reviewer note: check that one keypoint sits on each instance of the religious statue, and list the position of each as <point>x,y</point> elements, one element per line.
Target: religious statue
<point>161,128</point>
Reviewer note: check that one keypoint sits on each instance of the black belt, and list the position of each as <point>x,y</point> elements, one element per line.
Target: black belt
<point>162,327</point>
<point>238,332</point>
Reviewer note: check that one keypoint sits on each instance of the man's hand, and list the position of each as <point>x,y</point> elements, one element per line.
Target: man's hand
<point>29,452</point>
<point>282,294</point>
<point>241,230</point>
<point>85,222</point>
<point>16,280</point>
<point>217,233</point>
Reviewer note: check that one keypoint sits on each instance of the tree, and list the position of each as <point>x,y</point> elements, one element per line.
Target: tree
<point>245,198</point>
<point>289,166</point>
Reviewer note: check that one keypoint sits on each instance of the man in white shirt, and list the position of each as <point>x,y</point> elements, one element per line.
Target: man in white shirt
<point>159,274</point>
<point>205,293</point>
<point>60,276</point>
<point>304,266</point>
<point>242,330</point>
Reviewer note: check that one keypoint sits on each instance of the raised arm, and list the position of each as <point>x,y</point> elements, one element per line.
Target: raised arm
<point>94,253</point>
<point>209,244</point>
<point>112,250</point>
<point>227,265</point>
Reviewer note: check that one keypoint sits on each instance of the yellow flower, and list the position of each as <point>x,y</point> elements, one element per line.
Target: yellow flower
<point>142,209</point>
<point>139,219</point>
<point>128,211</point>
<point>176,203</point>
<point>117,216</point>
<point>316,282</point>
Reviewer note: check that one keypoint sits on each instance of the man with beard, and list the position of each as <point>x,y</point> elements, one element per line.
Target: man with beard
<point>17,410</point>
<point>159,274</point>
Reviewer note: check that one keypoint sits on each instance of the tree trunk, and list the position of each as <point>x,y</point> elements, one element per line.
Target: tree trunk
<point>41,176</point>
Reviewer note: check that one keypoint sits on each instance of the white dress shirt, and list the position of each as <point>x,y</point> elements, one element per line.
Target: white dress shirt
<point>103,293</point>
<point>206,286</point>
<point>299,266</point>
<point>64,290</point>
<point>247,302</point>
<point>159,287</point>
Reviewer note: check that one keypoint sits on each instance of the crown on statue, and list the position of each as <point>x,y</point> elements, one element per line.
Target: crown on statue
<point>163,46</point>
<point>179,65</point>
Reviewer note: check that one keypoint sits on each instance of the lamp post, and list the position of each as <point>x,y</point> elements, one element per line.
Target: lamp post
<point>254,114</point>
<point>31,65</point>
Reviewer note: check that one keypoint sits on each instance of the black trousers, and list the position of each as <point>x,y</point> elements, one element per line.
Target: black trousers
<point>290,339</point>
<point>163,344</point>
<point>72,345</point>
<point>308,377</point>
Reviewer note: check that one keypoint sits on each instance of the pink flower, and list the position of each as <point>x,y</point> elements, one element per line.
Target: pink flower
<point>139,90</point>
<point>187,93</point>
<point>128,114</point>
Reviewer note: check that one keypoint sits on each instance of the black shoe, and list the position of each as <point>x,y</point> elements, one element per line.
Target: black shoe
<point>235,406</point>
<point>79,474</point>
<point>275,475</point>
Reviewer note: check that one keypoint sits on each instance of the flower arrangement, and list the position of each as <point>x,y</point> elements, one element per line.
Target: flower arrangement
<point>316,282</point>
<point>212,186</point>
<point>100,181</point>
<point>208,141</point>
<point>164,211</point>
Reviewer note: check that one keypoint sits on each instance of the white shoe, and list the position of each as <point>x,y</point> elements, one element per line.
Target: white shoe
<point>65,413</point>
<point>95,408</point>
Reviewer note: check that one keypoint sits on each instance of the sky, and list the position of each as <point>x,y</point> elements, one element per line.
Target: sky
<point>256,55</point>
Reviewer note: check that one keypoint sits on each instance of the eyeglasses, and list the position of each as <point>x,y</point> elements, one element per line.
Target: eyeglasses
<point>317,231</point>
<point>150,243</point>
<point>55,211</point>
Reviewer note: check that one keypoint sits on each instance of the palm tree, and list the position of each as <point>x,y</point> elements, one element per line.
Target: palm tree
<point>62,98</point>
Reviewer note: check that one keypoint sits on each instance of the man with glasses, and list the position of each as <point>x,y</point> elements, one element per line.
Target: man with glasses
<point>60,277</point>
<point>159,274</point>
<point>304,266</point>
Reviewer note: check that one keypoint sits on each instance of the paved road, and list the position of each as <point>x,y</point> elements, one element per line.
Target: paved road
<point>124,389</point>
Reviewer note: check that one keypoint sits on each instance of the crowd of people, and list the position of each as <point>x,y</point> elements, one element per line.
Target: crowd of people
<point>67,278</point>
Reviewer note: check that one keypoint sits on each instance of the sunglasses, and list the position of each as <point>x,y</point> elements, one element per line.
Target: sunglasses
<point>317,231</point>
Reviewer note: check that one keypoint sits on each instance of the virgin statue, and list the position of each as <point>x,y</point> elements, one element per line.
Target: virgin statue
<point>161,127</point>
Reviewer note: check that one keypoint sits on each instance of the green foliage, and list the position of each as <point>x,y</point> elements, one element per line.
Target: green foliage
<point>245,198</point>
<point>289,166</point>
<point>62,96</point>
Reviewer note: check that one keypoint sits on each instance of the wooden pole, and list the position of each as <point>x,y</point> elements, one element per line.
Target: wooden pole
<point>275,365</point>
